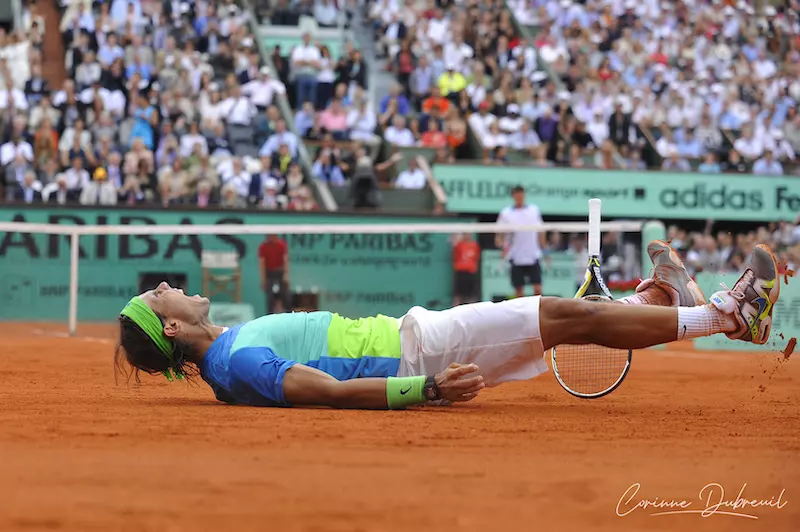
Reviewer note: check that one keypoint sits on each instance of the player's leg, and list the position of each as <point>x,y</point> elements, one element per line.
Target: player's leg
<point>671,285</point>
<point>743,313</point>
<point>518,280</point>
<point>536,278</point>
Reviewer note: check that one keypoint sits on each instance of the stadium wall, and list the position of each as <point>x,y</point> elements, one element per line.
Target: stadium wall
<point>354,275</point>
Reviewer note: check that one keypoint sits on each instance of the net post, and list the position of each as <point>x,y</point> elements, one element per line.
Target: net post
<point>74,254</point>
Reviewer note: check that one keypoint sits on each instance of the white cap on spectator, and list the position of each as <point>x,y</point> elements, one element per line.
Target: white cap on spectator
<point>247,42</point>
<point>512,109</point>
<point>777,134</point>
<point>566,3</point>
<point>451,65</point>
<point>538,76</point>
<point>213,86</point>
<point>770,11</point>
<point>185,7</point>
<point>143,84</point>
<point>270,183</point>
<point>729,11</point>
<point>564,95</point>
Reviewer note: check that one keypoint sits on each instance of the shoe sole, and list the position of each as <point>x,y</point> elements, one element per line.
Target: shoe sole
<point>658,247</point>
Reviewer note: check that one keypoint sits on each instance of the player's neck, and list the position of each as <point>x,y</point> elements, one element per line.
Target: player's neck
<point>206,336</point>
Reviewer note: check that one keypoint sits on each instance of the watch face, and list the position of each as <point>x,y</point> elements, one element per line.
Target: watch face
<point>430,393</point>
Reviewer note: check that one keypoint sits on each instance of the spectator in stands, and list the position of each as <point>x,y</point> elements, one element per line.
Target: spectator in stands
<point>57,192</point>
<point>413,177</point>
<point>398,133</point>
<point>709,165</point>
<point>452,81</point>
<point>306,64</point>
<point>14,148</point>
<point>748,146</point>
<point>768,165</point>
<point>262,90</point>
<point>99,191</point>
<point>361,122</point>
<point>675,163</point>
<point>325,78</point>
<point>328,171</point>
<point>281,136</point>
<point>77,178</point>
<point>334,120</point>
<point>29,190</point>
<point>326,13</point>
<point>395,103</point>
<point>434,137</point>
<point>304,119</point>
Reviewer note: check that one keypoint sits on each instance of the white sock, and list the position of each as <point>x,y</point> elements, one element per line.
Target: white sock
<point>652,295</point>
<point>697,322</point>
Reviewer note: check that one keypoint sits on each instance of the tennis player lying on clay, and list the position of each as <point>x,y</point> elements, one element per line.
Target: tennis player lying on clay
<point>323,359</point>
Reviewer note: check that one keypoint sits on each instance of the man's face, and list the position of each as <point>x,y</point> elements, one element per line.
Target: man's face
<point>173,304</point>
<point>519,198</point>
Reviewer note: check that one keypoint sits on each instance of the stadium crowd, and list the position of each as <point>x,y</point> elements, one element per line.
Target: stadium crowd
<point>163,102</point>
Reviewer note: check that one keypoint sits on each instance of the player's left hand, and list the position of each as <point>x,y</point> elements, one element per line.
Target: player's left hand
<point>456,385</point>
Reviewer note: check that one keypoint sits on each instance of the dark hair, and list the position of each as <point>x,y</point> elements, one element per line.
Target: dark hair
<point>518,188</point>
<point>137,352</point>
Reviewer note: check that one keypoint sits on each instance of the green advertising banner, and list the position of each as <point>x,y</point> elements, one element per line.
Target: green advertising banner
<point>785,317</point>
<point>355,275</point>
<point>565,191</point>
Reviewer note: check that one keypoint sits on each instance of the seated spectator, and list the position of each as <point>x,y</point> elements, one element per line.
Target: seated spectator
<point>436,101</point>
<point>238,179</point>
<point>362,123</point>
<point>42,110</point>
<point>480,121</point>
<point>269,200</point>
<point>689,146</point>
<point>334,121</point>
<point>281,136</point>
<point>57,192</point>
<point>394,103</point>
<point>748,146</point>
<point>237,108</point>
<point>604,157</point>
<point>735,163</point>
<point>145,117</point>
<point>326,170</point>
<point>281,160</point>
<point>434,137</point>
<point>304,119</point>
<point>302,201</point>
<point>782,150</point>
<point>666,144</point>
<point>48,172</point>
<point>204,197</point>
<point>77,178</point>
<point>525,139</point>
<point>421,82</point>
<point>511,123</point>
<point>295,183</point>
<point>598,129</point>
<point>398,134</point>
<point>326,13</point>
<point>131,192</point>
<point>262,91</point>
<point>193,138</point>
<point>412,178</point>
<point>546,126</point>
<point>709,165</point>
<point>36,88</point>
<point>16,147</point>
<point>768,165</point>
<point>137,155</point>
<point>451,81</point>
<point>45,143</point>
<point>634,161</point>
<point>493,138</point>
<point>29,191</point>
<point>674,163</point>
<point>99,191</point>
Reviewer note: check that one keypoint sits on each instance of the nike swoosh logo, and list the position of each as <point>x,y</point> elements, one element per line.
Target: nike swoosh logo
<point>683,334</point>
<point>403,392</point>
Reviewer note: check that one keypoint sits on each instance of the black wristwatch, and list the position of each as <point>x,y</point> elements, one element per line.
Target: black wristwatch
<point>431,390</point>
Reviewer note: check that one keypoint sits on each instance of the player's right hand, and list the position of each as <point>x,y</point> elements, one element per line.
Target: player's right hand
<point>459,382</point>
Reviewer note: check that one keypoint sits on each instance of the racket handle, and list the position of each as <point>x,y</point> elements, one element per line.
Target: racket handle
<point>594,227</point>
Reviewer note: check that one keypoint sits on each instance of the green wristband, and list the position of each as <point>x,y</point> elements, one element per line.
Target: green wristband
<point>405,391</point>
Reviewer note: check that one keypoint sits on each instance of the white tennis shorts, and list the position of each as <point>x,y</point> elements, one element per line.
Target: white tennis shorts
<point>503,339</point>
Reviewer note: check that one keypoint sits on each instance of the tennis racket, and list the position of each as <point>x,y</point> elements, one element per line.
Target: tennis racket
<point>591,371</point>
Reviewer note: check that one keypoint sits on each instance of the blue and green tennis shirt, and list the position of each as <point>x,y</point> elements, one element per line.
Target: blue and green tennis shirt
<point>247,363</point>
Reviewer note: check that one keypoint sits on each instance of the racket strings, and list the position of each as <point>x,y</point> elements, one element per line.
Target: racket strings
<point>590,369</point>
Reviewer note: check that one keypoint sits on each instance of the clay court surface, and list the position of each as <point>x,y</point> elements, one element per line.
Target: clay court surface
<point>81,453</point>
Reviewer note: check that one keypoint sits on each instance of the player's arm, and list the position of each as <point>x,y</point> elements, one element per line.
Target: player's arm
<point>501,239</point>
<point>262,272</point>
<point>303,385</point>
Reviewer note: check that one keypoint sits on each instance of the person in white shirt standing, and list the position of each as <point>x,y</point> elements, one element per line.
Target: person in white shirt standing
<point>522,249</point>
<point>305,67</point>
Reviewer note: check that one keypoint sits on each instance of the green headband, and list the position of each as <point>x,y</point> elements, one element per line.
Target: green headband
<point>143,316</point>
